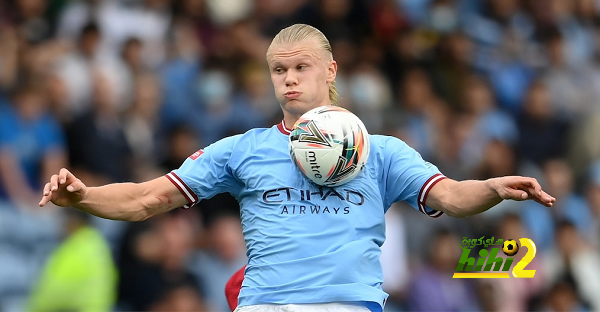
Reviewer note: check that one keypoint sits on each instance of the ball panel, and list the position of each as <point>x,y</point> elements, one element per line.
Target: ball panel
<point>343,170</point>
<point>310,133</point>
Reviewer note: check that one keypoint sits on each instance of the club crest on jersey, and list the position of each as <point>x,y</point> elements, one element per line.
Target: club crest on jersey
<point>197,154</point>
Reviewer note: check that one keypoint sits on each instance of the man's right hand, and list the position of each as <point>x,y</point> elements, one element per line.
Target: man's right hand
<point>64,189</point>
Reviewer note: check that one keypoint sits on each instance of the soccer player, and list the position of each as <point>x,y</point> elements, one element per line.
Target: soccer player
<point>310,248</point>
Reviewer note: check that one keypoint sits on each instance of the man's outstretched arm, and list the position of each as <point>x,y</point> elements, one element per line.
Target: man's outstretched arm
<point>470,197</point>
<point>118,201</point>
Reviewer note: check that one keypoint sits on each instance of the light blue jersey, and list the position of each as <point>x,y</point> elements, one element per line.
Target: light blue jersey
<point>308,244</point>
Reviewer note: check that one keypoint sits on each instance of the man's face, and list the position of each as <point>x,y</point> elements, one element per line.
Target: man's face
<point>301,74</point>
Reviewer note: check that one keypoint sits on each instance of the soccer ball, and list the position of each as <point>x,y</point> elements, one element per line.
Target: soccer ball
<point>510,247</point>
<point>330,145</point>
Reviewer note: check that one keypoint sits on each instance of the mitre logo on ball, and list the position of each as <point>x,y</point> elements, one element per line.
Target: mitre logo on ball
<point>330,145</point>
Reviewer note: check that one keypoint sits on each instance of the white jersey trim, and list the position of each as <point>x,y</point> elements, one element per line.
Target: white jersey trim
<point>283,129</point>
<point>183,188</point>
<point>433,180</point>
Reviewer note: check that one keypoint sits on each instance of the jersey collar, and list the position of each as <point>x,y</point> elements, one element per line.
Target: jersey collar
<point>283,129</point>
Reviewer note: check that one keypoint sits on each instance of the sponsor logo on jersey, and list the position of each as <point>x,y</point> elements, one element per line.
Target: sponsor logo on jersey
<point>289,196</point>
<point>314,209</point>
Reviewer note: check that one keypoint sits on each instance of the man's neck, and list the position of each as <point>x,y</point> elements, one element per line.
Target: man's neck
<point>289,119</point>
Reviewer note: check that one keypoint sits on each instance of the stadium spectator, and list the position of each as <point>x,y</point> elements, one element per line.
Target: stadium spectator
<point>101,129</point>
<point>74,70</point>
<point>542,134</point>
<point>541,223</point>
<point>31,145</point>
<point>516,294</point>
<point>563,297</point>
<point>419,116</point>
<point>80,275</point>
<point>574,260</point>
<point>223,254</point>
<point>435,276</point>
<point>593,198</point>
<point>573,88</point>
<point>142,128</point>
<point>181,296</point>
<point>478,123</point>
<point>153,263</point>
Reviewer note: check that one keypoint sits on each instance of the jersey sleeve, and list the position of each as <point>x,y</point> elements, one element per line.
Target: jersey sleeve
<point>408,177</point>
<point>206,173</point>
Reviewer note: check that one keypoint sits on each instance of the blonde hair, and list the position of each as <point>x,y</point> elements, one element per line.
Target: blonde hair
<point>301,33</point>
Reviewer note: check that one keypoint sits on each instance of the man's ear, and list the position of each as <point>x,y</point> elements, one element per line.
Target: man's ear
<point>332,71</point>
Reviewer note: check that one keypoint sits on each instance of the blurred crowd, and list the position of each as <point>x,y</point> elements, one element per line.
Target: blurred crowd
<point>126,90</point>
